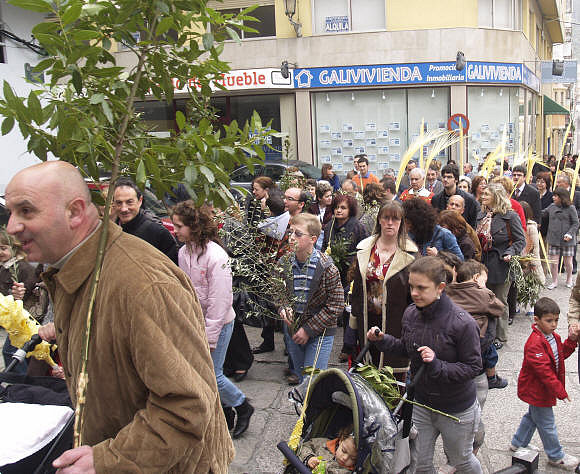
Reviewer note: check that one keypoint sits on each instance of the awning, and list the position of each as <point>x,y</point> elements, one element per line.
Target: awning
<point>553,108</point>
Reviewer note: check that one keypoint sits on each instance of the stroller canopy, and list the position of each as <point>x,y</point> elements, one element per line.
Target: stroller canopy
<point>338,398</point>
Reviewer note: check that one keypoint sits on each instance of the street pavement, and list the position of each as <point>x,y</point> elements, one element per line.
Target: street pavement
<point>275,417</point>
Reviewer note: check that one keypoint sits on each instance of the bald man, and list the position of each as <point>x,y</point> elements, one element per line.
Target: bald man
<point>152,402</point>
<point>417,189</point>
<point>457,203</point>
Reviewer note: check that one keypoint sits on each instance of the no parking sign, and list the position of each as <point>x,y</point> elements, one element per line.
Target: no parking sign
<point>456,120</point>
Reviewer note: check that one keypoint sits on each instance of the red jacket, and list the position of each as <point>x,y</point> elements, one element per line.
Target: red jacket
<point>539,384</point>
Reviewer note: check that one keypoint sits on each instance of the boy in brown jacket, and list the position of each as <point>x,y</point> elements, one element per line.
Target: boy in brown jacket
<point>470,293</point>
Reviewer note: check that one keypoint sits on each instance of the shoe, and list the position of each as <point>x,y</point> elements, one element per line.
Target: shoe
<point>262,349</point>
<point>530,313</point>
<point>230,416</point>
<point>510,320</point>
<point>569,285</point>
<point>343,357</point>
<point>245,412</point>
<point>517,310</point>
<point>287,371</point>
<point>551,286</point>
<point>498,344</point>
<point>239,376</point>
<point>514,448</point>
<point>285,351</point>
<point>568,462</point>
<point>292,379</point>
<point>496,382</point>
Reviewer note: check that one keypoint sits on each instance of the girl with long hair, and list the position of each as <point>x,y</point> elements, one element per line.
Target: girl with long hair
<point>205,261</point>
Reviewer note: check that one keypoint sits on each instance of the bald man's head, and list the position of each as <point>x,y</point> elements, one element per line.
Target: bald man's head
<point>456,203</point>
<point>51,210</point>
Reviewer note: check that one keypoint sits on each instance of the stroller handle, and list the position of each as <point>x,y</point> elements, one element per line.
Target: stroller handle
<point>292,458</point>
<point>20,354</point>
<point>365,349</point>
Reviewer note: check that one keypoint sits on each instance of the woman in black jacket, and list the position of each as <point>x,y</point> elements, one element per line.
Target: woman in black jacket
<point>442,337</point>
<point>502,236</point>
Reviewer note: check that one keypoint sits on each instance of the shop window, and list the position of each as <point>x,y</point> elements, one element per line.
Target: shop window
<point>378,123</point>
<point>340,16</point>
<point>500,14</point>
<point>266,24</point>
<point>241,108</point>
<point>492,110</point>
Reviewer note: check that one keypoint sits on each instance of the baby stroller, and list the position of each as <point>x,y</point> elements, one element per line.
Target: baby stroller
<point>37,419</point>
<point>338,398</point>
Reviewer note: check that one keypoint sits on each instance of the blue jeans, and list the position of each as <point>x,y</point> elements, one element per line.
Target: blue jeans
<point>543,419</point>
<point>304,355</point>
<point>490,357</point>
<point>230,395</point>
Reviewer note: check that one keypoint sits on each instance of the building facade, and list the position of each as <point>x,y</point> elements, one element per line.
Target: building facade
<point>364,75</point>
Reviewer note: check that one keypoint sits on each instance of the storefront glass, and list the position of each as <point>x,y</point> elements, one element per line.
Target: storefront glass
<point>491,110</point>
<point>379,123</point>
<point>160,117</point>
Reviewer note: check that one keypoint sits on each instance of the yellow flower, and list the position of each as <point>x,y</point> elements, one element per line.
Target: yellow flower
<point>328,250</point>
<point>20,327</point>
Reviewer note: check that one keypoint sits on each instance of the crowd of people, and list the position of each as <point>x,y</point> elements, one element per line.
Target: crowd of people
<point>418,266</point>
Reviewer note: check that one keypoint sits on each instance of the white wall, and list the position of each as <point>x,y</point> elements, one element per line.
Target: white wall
<point>12,146</point>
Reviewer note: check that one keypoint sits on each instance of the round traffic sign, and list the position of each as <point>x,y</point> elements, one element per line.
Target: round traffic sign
<point>455,120</point>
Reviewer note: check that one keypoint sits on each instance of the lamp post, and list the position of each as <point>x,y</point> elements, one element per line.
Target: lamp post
<point>290,10</point>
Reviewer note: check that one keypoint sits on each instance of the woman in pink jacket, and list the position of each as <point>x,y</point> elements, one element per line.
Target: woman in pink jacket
<point>206,263</point>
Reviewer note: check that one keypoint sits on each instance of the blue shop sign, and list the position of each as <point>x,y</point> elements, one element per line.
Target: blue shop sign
<point>415,73</point>
<point>344,76</point>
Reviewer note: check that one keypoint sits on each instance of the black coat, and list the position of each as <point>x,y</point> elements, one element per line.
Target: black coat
<point>545,201</point>
<point>472,207</point>
<point>532,197</point>
<point>153,232</point>
<point>502,245</point>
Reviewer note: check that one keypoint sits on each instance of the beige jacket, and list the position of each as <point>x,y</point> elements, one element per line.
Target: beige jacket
<point>152,399</point>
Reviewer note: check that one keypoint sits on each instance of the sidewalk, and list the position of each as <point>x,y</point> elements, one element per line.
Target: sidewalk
<point>275,417</point>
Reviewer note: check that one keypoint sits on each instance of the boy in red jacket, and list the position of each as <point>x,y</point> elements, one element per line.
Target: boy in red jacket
<point>542,380</point>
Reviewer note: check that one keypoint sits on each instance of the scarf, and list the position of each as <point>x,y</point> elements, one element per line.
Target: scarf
<point>484,232</point>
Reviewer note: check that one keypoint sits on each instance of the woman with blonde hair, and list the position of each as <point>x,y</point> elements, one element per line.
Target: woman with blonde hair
<point>502,236</point>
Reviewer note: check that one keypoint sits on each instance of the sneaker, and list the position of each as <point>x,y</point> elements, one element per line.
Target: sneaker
<point>514,448</point>
<point>496,382</point>
<point>498,344</point>
<point>551,286</point>
<point>292,379</point>
<point>569,285</point>
<point>568,462</point>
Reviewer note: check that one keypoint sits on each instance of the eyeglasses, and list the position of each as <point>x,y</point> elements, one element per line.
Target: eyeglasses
<point>297,233</point>
<point>290,198</point>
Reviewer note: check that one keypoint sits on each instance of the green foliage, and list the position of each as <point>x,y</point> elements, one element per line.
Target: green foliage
<point>383,382</point>
<point>527,282</point>
<point>86,114</point>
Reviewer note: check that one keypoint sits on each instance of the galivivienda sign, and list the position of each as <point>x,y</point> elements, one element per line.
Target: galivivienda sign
<point>243,79</point>
<point>415,73</point>
<point>371,75</point>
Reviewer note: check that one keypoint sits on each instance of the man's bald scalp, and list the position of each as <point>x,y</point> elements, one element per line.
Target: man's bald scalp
<point>61,177</point>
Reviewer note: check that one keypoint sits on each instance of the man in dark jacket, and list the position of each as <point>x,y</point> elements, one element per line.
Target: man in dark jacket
<point>127,201</point>
<point>450,177</point>
<point>525,192</point>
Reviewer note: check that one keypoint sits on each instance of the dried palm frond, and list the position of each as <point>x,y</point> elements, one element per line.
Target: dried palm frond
<point>414,147</point>
<point>561,155</point>
<point>445,139</point>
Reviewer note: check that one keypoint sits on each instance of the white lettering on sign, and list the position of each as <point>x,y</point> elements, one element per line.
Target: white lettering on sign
<point>369,75</point>
<point>494,72</point>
